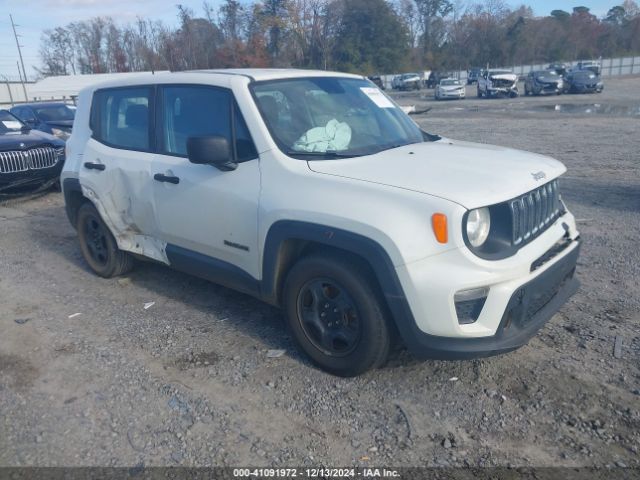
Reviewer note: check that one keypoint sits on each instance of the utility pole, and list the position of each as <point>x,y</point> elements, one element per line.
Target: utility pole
<point>24,89</point>
<point>24,71</point>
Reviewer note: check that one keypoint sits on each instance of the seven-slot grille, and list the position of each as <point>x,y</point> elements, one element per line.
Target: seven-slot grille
<point>533,212</point>
<point>32,159</point>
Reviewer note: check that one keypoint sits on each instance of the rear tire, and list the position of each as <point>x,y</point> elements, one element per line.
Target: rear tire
<point>98,246</point>
<point>336,314</point>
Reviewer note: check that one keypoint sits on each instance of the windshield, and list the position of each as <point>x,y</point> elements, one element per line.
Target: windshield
<point>331,116</point>
<point>546,73</point>
<point>9,122</point>
<point>450,82</point>
<point>54,113</point>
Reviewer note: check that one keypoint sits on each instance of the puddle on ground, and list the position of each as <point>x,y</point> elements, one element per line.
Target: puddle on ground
<point>592,109</point>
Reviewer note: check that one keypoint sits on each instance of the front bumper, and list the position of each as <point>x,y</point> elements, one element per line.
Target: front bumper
<point>17,181</point>
<point>410,85</point>
<point>454,94</point>
<point>522,297</point>
<point>503,92</point>
<point>585,88</point>
<point>547,89</point>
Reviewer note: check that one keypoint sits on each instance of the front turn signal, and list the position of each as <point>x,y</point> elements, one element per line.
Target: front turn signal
<point>439,225</point>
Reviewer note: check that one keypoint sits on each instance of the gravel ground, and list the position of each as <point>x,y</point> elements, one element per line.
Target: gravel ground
<point>188,381</point>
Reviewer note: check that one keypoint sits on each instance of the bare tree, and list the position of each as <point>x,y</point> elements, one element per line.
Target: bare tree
<point>57,52</point>
<point>358,35</point>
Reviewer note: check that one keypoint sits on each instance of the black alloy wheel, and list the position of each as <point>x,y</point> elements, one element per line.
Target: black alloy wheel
<point>329,317</point>
<point>96,240</point>
<point>337,314</point>
<point>98,246</point>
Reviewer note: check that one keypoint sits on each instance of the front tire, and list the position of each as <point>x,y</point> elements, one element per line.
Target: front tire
<point>336,314</point>
<point>98,246</point>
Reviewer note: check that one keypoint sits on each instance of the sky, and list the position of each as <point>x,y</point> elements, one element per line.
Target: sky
<point>35,16</point>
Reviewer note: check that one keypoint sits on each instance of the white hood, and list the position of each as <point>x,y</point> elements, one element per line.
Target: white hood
<point>512,77</point>
<point>470,174</point>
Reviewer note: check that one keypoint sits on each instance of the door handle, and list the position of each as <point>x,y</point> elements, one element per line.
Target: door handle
<point>94,166</point>
<point>161,177</point>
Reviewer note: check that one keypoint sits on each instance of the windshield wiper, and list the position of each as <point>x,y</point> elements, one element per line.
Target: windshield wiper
<point>328,154</point>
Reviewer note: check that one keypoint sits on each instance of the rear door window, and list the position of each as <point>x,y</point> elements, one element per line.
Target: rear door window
<point>121,118</point>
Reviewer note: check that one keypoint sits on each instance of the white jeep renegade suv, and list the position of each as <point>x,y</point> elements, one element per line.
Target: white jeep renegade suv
<point>313,191</point>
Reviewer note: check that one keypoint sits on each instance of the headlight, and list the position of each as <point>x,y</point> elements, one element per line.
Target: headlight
<point>478,225</point>
<point>61,134</point>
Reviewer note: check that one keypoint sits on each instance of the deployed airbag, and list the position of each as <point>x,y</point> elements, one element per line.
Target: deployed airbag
<point>335,136</point>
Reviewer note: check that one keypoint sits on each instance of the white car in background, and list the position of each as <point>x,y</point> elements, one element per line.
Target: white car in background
<point>497,83</point>
<point>315,193</point>
<point>407,81</point>
<point>449,88</point>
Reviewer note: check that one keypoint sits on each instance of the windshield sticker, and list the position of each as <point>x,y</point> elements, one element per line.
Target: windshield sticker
<point>377,97</point>
<point>12,124</point>
<point>335,136</point>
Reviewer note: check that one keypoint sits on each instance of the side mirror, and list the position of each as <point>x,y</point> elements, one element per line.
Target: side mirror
<point>212,150</point>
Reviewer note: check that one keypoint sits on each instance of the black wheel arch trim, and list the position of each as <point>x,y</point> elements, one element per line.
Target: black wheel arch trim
<point>366,248</point>
<point>72,194</point>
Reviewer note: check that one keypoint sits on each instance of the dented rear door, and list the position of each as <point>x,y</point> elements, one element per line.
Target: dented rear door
<point>116,167</point>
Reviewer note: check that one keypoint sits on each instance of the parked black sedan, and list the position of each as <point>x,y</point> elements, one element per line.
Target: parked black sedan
<point>583,81</point>
<point>55,118</point>
<point>543,82</point>
<point>28,158</point>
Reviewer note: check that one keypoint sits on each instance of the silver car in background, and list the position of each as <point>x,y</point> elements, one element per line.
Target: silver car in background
<point>449,88</point>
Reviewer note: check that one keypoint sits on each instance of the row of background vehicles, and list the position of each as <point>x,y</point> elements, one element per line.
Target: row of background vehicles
<point>556,79</point>
<point>32,146</point>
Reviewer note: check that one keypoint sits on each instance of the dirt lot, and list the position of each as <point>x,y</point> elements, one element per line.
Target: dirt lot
<point>187,381</point>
